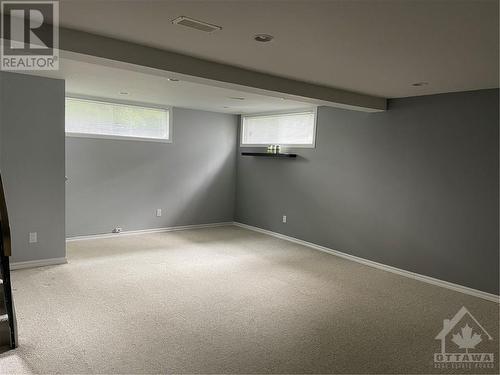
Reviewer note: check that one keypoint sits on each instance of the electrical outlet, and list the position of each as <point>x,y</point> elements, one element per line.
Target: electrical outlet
<point>33,237</point>
<point>158,212</point>
<point>284,219</point>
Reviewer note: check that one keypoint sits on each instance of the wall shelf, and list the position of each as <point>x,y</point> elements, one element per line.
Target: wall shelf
<point>269,155</point>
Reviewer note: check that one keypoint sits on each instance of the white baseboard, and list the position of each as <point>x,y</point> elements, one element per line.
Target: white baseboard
<point>411,275</point>
<point>145,231</point>
<point>37,263</point>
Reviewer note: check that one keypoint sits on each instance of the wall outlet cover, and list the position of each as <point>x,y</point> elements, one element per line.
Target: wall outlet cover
<point>158,212</point>
<point>33,237</point>
<point>284,218</point>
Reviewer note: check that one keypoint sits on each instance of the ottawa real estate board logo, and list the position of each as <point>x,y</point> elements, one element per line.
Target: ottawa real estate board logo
<point>459,338</point>
<point>30,35</point>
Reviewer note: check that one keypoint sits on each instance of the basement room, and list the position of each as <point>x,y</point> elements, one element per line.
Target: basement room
<point>249,187</point>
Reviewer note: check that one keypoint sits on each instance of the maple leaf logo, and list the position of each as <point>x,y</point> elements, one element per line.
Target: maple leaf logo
<point>466,340</point>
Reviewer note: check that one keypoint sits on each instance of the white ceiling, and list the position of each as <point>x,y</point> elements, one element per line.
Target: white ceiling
<point>377,47</point>
<point>100,78</point>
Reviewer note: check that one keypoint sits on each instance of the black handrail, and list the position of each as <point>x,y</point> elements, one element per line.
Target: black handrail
<point>4,220</point>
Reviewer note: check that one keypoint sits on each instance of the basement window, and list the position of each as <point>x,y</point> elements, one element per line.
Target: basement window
<point>95,118</point>
<point>291,129</point>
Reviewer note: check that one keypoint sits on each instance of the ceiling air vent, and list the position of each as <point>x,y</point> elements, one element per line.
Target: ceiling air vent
<point>195,24</point>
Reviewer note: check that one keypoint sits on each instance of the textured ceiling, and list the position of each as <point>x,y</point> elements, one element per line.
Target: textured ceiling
<point>367,46</point>
<point>95,77</point>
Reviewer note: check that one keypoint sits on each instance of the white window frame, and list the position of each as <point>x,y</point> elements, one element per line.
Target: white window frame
<point>287,145</point>
<point>126,103</point>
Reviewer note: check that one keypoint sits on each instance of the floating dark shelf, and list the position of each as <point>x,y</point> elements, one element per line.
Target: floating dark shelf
<point>268,155</point>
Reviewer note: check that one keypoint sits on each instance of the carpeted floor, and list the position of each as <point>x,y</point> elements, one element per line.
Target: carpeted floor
<point>227,300</point>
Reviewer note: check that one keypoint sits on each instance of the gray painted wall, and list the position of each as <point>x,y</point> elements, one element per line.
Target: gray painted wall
<point>116,183</point>
<point>415,187</point>
<point>32,163</point>
<point>1,117</point>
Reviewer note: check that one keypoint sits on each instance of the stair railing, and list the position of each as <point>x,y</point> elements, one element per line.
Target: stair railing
<point>5,253</point>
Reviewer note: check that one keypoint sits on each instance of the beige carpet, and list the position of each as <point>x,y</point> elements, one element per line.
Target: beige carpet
<point>226,300</point>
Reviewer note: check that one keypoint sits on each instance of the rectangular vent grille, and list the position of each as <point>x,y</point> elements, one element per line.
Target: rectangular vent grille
<point>195,24</point>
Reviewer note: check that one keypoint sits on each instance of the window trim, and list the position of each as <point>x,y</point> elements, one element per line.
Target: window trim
<point>97,99</point>
<point>284,112</point>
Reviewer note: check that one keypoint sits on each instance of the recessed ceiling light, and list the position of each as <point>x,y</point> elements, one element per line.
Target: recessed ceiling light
<point>420,84</point>
<point>236,98</point>
<point>173,80</point>
<point>123,93</point>
<point>264,38</point>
